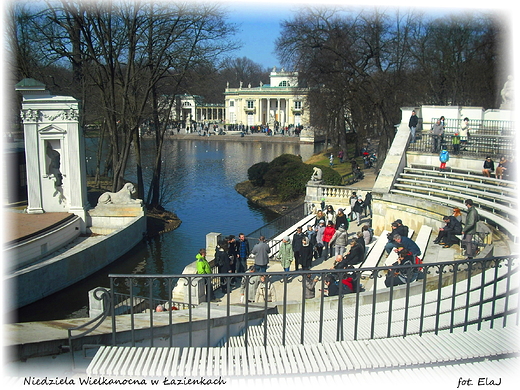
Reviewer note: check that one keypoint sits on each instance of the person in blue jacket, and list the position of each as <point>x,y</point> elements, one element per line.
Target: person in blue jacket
<point>444,157</point>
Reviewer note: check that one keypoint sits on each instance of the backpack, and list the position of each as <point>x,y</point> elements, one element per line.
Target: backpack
<point>444,156</point>
<point>419,271</point>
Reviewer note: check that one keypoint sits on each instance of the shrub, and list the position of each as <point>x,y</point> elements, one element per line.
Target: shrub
<point>287,176</point>
<point>255,173</point>
<point>330,177</point>
<point>285,159</point>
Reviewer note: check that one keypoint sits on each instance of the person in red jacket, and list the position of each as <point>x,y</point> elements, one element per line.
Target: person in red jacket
<point>327,236</point>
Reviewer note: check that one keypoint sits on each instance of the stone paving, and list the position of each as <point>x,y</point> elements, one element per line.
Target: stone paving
<point>18,225</point>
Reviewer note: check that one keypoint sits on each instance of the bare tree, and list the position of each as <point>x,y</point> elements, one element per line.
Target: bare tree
<point>363,66</point>
<point>130,53</point>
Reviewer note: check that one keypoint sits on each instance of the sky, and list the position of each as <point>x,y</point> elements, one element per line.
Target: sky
<point>259,22</point>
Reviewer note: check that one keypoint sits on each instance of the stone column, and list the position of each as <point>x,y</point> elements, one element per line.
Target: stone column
<point>259,118</point>
<point>278,109</point>
<point>34,202</point>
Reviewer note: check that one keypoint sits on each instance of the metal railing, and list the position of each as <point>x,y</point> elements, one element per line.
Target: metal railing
<point>285,221</point>
<point>478,127</point>
<point>486,288</point>
<point>477,145</point>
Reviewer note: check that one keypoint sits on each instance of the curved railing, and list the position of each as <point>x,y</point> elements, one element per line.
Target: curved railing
<point>454,294</point>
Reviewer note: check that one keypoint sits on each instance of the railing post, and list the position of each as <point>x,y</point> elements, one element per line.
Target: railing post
<point>302,321</point>
<point>453,294</point>
<point>374,300</point>
<point>150,304</point>
<point>468,292</point>
<point>112,310</point>
<point>508,291</point>
<point>438,308</point>
<point>130,284</point>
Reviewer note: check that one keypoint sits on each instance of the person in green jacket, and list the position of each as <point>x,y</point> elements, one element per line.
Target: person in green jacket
<point>203,268</point>
<point>470,229</point>
<point>455,141</point>
<point>285,253</point>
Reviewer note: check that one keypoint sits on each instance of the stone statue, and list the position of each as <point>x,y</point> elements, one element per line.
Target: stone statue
<point>508,94</point>
<point>123,196</point>
<point>317,174</point>
<point>54,166</point>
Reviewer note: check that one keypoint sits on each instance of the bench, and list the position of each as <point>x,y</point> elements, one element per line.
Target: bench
<point>510,201</point>
<point>491,188</point>
<point>465,176</point>
<point>452,169</point>
<point>375,253</point>
<point>510,228</point>
<point>423,238</point>
<point>443,190</point>
<point>496,208</point>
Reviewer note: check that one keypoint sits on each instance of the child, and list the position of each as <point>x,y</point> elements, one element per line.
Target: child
<point>444,157</point>
<point>455,141</point>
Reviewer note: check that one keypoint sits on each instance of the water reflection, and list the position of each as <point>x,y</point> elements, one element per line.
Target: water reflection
<point>200,178</point>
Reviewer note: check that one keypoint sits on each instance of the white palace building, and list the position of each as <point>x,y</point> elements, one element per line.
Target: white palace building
<point>281,102</point>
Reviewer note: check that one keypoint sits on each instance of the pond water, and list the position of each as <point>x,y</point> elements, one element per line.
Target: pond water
<point>200,179</point>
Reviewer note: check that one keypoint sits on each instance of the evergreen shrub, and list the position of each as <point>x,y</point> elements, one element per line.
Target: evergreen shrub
<point>255,173</point>
<point>287,176</point>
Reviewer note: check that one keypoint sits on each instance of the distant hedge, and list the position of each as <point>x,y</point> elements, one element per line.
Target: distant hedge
<point>287,176</point>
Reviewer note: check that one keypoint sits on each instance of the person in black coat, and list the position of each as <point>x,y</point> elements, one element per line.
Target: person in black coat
<point>403,275</point>
<point>222,260</point>
<point>355,256</point>
<point>305,254</point>
<point>367,204</point>
<point>397,229</point>
<point>447,233</point>
<point>233,254</point>
<point>357,209</point>
<point>297,245</point>
<point>361,241</point>
<point>341,218</point>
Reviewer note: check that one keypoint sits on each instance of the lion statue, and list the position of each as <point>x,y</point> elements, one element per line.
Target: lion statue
<point>123,196</point>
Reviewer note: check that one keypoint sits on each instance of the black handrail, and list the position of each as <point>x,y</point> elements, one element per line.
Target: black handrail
<point>438,276</point>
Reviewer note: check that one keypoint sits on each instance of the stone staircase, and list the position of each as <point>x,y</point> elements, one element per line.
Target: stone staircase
<point>495,199</point>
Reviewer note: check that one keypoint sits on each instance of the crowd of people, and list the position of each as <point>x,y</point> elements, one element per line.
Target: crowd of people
<point>326,238</point>
<point>459,142</point>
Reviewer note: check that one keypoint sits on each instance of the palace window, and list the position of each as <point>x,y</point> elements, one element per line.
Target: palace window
<point>250,104</point>
<point>297,105</point>
<point>284,84</point>
<point>231,103</point>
